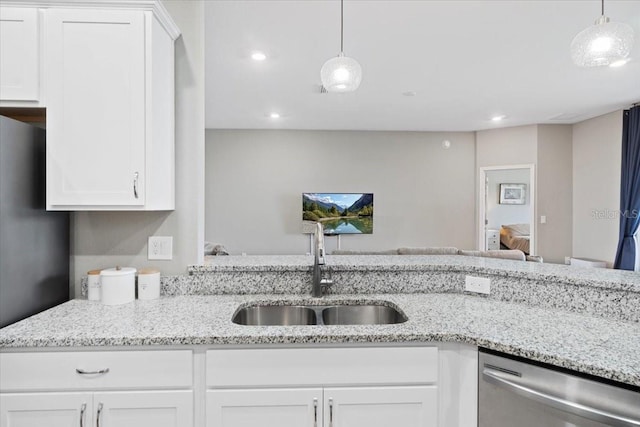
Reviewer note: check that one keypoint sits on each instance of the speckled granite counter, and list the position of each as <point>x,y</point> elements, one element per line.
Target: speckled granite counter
<point>603,347</point>
<point>601,292</point>
<point>596,277</point>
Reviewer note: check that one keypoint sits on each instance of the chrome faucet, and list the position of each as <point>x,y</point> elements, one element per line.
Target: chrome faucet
<point>319,283</point>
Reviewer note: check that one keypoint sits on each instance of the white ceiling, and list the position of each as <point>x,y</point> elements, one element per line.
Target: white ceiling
<point>466,60</point>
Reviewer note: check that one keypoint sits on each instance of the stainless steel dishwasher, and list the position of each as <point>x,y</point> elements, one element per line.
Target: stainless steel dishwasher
<point>513,393</point>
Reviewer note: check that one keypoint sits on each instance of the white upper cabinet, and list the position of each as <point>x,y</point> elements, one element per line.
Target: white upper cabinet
<point>110,110</point>
<point>19,56</point>
<point>105,73</point>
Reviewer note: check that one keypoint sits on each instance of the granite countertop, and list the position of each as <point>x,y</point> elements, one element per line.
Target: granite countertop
<point>594,277</point>
<point>603,347</point>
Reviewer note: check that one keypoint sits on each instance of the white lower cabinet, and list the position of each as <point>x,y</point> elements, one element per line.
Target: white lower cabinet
<point>118,409</point>
<point>381,406</point>
<point>45,409</point>
<point>144,409</point>
<point>97,388</point>
<point>323,387</point>
<point>240,386</point>
<point>264,408</point>
<point>329,407</point>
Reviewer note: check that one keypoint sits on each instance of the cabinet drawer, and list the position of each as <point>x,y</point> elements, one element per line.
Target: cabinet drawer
<point>126,369</point>
<point>322,366</point>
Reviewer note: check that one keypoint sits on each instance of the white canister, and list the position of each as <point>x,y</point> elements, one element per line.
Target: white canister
<point>148,283</point>
<point>93,285</point>
<point>118,285</point>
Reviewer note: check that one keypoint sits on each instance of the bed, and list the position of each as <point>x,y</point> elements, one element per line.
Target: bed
<point>515,236</point>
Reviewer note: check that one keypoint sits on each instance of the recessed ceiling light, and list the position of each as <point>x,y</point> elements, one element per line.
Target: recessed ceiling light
<point>498,118</point>
<point>274,115</point>
<point>619,63</point>
<point>258,56</point>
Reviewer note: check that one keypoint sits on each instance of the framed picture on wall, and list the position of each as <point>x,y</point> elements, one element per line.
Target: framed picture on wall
<point>513,194</point>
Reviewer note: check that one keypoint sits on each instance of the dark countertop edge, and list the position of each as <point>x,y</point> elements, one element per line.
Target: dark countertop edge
<point>614,375</point>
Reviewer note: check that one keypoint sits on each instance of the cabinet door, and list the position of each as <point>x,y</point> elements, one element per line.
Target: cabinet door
<point>264,408</point>
<point>144,409</point>
<point>381,407</point>
<point>96,108</point>
<point>46,409</point>
<point>19,54</point>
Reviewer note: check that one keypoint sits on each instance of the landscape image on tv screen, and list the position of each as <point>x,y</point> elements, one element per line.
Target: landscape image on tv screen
<point>339,213</point>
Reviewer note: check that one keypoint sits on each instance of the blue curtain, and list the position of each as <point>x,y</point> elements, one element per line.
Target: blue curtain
<point>629,190</point>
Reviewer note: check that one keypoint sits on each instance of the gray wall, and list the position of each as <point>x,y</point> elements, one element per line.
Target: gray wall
<point>507,146</point>
<point>424,195</point>
<point>498,214</point>
<point>555,189</point>
<point>549,148</point>
<point>106,239</point>
<point>597,150</point>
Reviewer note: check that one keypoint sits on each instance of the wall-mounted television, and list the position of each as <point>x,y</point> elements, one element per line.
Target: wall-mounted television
<point>339,213</point>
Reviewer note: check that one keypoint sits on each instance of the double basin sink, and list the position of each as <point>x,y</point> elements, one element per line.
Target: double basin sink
<point>335,314</point>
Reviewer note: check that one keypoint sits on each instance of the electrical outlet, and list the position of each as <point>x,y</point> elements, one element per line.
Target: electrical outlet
<point>478,285</point>
<point>160,247</point>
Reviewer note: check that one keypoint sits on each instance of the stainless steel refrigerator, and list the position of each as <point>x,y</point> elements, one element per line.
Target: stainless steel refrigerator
<point>34,243</point>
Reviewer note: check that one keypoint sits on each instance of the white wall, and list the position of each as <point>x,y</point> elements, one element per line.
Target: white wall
<point>555,192</point>
<point>597,151</point>
<point>498,214</point>
<point>423,193</point>
<point>106,239</point>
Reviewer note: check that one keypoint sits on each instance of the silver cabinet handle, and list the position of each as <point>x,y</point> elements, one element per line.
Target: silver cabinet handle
<point>330,412</point>
<point>135,184</point>
<point>99,414</point>
<point>315,412</point>
<point>83,408</point>
<point>588,412</point>
<point>98,372</point>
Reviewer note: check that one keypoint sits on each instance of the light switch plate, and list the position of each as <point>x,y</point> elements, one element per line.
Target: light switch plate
<point>478,285</point>
<point>160,247</point>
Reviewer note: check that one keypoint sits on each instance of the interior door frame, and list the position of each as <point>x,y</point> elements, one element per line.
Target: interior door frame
<point>482,195</point>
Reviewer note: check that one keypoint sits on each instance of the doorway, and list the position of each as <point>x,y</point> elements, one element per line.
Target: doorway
<point>506,213</point>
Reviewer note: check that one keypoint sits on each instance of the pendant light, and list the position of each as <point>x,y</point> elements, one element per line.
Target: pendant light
<point>604,43</point>
<point>341,73</point>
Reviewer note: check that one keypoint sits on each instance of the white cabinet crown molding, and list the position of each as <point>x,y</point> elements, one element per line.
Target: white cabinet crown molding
<point>154,6</point>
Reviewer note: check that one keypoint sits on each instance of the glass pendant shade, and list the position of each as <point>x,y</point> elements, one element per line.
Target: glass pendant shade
<point>341,74</point>
<point>602,44</point>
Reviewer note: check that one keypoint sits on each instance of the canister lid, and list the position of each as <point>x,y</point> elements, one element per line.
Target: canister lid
<point>118,271</point>
<point>93,272</point>
<point>148,271</point>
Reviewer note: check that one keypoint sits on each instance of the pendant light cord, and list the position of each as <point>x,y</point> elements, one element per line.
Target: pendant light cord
<point>342,24</point>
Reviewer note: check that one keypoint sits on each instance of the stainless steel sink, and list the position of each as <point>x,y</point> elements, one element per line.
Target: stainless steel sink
<point>289,315</point>
<point>362,315</point>
<point>272,315</point>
